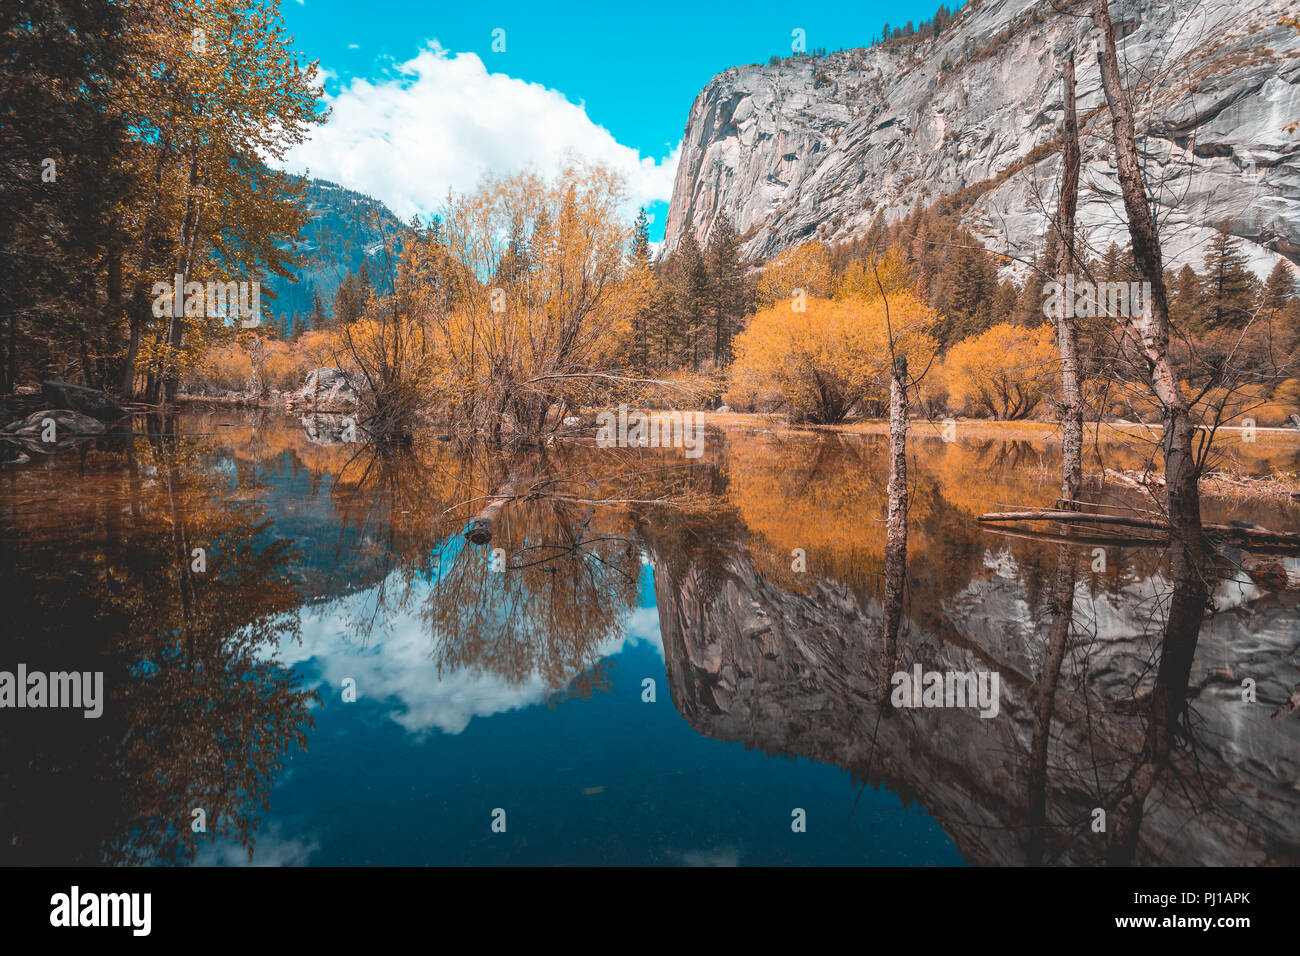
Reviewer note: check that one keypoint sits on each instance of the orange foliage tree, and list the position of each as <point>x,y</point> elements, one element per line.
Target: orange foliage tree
<point>1005,372</point>
<point>819,358</point>
<point>806,268</point>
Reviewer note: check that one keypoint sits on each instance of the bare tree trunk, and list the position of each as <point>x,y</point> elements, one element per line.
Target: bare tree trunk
<point>1045,700</point>
<point>1168,706</point>
<point>1188,601</point>
<point>1183,496</point>
<point>139,303</point>
<point>1066,334</point>
<point>189,233</point>
<point>896,528</point>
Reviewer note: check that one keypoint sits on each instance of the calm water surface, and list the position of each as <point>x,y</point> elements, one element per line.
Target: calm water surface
<point>519,679</point>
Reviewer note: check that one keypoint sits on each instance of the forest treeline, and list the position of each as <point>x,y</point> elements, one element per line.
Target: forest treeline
<point>134,142</point>
<point>136,139</point>
<point>807,333</point>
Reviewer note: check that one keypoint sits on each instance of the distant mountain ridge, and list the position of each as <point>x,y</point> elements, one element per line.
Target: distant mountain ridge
<point>815,147</point>
<point>347,228</point>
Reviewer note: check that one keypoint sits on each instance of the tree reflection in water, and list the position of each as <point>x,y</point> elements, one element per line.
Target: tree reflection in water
<point>1096,709</point>
<point>198,714</point>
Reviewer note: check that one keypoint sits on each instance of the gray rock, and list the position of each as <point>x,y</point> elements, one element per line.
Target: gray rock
<point>70,429</point>
<point>790,673</point>
<point>817,147</point>
<point>88,401</point>
<point>66,422</point>
<point>327,388</point>
<point>328,429</point>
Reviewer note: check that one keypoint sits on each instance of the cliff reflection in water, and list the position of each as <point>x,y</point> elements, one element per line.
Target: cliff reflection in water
<point>786,662</point>
<point>314,546</point>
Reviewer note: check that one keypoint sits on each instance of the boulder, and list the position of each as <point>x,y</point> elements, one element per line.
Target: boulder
<point>66,422</point>
<point>69,428</point>
<point>327,429</point>
<point>87,401</point>
<point>327,388</point>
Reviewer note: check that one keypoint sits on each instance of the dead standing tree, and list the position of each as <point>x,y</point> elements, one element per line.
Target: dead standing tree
<point>1066,333</point>
<point>1071,477</point>
<point>896,528</point>
<point>1182,496</point>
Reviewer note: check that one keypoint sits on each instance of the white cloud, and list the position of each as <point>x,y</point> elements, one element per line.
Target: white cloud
<point>396,664</point>
<point>442,122</point>
<point>354,46</point>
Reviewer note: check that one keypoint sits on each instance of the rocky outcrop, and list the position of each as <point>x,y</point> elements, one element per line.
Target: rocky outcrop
<point>817,147</point>
<point>329,429</point>
<point>52,430</point>
<point>326,389</point>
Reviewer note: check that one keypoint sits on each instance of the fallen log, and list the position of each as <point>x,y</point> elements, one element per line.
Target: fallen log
<point>480,529</point>
<point>1236,532</point>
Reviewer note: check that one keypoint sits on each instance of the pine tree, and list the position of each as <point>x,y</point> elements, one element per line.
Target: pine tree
<point>514,263</point>
<point>1227,284</point>
<point>1028,310</point>
<point>692,288</point>
<point>1185,298</point>
<point>641,239</point>
<point>1004,304</point>
<point>1279,290</point>
<point>965,287</point>
<point>350,299</point>
<point>726,277</point>
<point>319,320</point>
<point>641,264</point>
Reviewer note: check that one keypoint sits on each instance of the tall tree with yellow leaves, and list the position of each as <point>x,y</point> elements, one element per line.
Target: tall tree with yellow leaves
<point>216,92</point>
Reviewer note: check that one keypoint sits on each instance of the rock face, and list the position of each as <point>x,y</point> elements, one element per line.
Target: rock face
<point>817,147</point>
<point>327,388</point>
<point>88,401</point>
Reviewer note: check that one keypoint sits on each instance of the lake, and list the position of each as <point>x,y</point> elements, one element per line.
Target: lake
<point>655,660</point>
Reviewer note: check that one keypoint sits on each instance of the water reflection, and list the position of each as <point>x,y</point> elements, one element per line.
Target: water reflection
<point>328,560</point>
<point>99,577</point>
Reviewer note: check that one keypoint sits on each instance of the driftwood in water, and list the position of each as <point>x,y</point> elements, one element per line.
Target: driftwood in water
<point>480,529</point>
<point>1244,534</point>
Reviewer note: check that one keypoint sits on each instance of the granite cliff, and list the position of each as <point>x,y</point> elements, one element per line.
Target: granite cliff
<point>816,147</point>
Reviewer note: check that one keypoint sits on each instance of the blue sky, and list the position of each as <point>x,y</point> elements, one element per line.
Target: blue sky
<point>423,103</point>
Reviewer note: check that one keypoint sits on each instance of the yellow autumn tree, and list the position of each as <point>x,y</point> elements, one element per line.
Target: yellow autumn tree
<point>519,306</point>
<point>820,358</point>
<point>865,278</point>
<point>216,96</point>
<point>804,269</point>
<point>1003,373</point>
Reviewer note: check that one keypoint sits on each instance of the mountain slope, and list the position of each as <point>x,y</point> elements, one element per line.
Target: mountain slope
<point>817,146</point>
<point>346,229</point>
